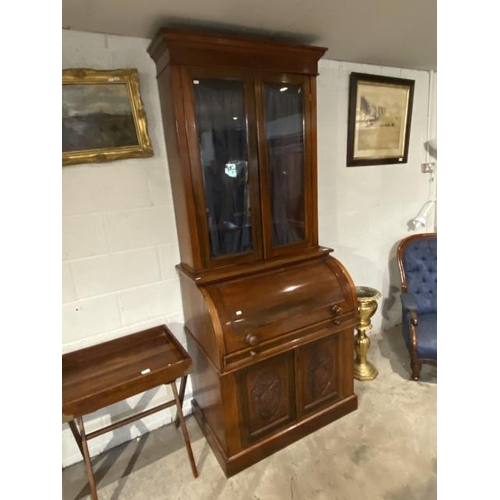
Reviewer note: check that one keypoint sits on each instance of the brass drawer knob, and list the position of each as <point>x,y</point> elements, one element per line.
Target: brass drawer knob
<point>336,310</point>
<point>336,322</point>
<point>251,339</point>
<point>253,353</point>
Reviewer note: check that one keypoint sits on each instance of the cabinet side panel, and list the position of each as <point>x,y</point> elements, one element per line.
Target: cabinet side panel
<point>171,101</point>
<point>207,394</point>
<point>232,414</point>
<point>198,320</point>
<point>347,344</point>
<point>313,148</point>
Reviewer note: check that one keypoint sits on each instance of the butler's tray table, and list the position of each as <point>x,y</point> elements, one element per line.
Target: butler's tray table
<point>106,373</point>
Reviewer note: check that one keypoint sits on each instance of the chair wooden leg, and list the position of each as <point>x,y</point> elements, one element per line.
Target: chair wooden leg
<point>185,434</point>
<point>86,456</point>
<point>416,366</point>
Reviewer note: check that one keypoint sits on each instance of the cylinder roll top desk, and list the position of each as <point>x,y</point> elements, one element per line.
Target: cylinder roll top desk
<point>269,314</point>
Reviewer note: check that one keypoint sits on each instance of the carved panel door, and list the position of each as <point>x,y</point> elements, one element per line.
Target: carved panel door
<point>267,394</point>
<point>318,374</point>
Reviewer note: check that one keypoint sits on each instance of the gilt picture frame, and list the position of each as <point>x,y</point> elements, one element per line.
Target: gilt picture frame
<point>379,120</point>
<point>103,117</point>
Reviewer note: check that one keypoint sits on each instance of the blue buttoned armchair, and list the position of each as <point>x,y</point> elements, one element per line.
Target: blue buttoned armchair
<point>417,260</point>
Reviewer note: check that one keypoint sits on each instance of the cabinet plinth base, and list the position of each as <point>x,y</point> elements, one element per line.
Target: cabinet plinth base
<point>275,442</point>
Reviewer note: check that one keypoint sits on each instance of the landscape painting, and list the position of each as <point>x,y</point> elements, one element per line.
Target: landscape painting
<point>379,120</point>
<point>102,116</point>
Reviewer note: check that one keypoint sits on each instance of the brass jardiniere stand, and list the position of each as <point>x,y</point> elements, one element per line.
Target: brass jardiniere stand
<point>367,306</point>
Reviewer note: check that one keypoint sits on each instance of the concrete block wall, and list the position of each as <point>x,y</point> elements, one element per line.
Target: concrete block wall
<point>364,211</point>
<point>119,241</point>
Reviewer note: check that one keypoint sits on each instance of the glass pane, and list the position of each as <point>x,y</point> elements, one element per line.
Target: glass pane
<point>285,146</point>
<point>222,135</point>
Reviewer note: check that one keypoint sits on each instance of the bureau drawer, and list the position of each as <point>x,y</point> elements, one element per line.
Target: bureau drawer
<point>264,350</point>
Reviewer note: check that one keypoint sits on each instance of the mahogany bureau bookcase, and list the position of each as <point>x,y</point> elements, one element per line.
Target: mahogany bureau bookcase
<point>269,314</point>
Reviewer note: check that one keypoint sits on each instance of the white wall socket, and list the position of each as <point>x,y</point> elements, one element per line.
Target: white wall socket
<point>428,168</point>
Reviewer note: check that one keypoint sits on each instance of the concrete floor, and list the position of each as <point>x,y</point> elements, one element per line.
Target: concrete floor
<point>385,450</point>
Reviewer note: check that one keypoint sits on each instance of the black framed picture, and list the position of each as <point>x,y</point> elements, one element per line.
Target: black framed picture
<point>379,121</point>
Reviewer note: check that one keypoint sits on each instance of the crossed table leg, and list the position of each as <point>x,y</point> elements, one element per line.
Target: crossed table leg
<point>82,437</point>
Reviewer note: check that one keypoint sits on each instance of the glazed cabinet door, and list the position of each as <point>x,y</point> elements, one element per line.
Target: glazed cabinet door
<point>286,145</point>
<point>318,374</point>
<point>267,397</point>
<point>220,120</point>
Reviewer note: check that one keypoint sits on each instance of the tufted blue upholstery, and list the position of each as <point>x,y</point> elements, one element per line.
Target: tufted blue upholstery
<point>420,264</point>
<point>417,256</point>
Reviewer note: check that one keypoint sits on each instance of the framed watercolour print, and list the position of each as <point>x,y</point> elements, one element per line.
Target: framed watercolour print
<point>379,119</point>
<point>103,118</point>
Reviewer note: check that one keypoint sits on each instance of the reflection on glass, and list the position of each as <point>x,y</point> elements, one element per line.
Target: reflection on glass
<point>222,135</point>
<point>285,145</point>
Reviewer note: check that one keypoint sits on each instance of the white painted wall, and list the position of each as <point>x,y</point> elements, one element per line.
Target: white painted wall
<point>120,242</point>
<point>364,211</point>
